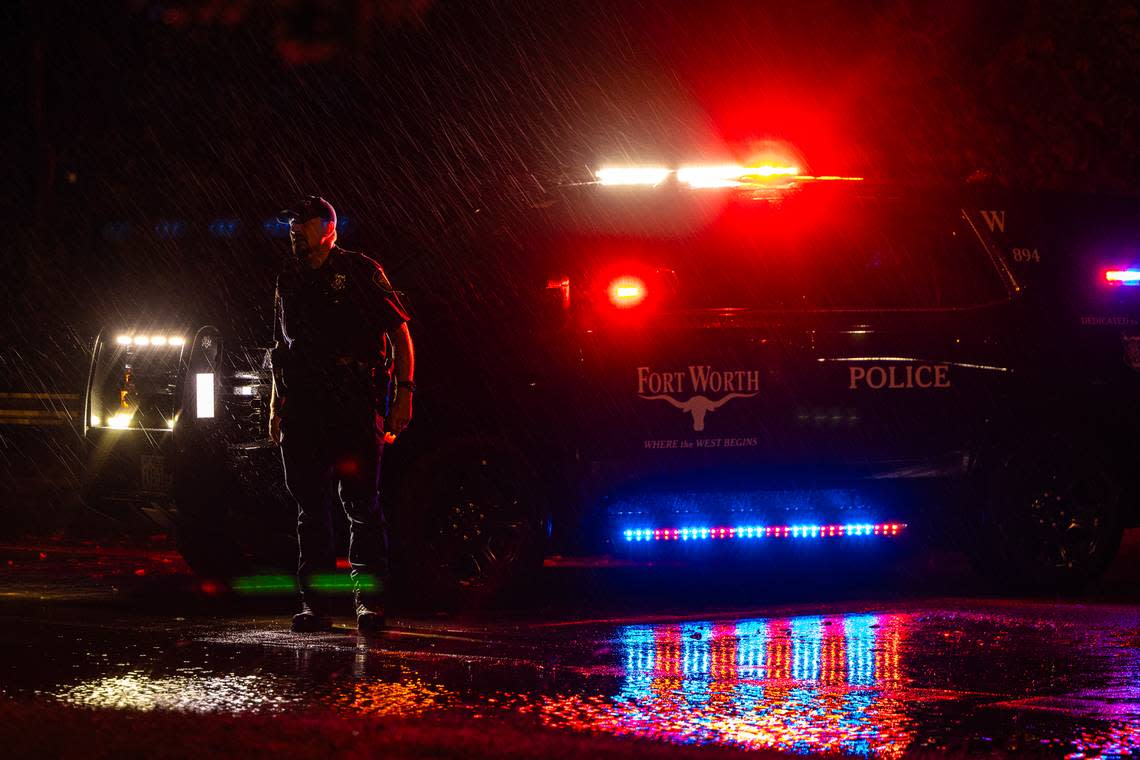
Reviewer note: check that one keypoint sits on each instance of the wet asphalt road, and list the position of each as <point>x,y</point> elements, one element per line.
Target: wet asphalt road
<point>871,671</point>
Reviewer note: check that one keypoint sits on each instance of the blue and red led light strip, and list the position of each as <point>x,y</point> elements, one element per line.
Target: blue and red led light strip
<point>763,531</point>
<point>1123,276</point>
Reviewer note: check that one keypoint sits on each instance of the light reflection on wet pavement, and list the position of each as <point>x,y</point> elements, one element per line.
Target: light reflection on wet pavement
<point>981,676</point>
<point>806,683</point>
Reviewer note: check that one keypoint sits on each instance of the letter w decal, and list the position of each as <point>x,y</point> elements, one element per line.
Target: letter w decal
<point>994,219</point>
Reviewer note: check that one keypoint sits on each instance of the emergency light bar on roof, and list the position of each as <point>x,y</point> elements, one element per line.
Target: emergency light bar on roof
<point>713,176</point>
<point>730,175</point>
<point>1123,276</point>
<point>633,175</point>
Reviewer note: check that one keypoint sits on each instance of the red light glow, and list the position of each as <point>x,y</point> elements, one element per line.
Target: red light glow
<point>627,292</point>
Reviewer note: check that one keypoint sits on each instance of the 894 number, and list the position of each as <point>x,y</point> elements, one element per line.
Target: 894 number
<point>1021,255</point>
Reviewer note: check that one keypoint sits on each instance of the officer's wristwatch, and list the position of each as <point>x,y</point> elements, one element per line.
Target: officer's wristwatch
<point>406,385</point>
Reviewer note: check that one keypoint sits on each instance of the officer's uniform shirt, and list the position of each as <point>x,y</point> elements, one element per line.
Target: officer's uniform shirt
<point>331,323</point>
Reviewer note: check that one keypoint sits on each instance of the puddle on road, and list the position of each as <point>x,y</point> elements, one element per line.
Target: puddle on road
<point>865,684</point>
<point>806,684</point>
<point>193,691</point>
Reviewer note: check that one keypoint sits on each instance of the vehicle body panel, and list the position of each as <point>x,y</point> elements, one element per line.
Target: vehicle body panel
<point>890,393</point>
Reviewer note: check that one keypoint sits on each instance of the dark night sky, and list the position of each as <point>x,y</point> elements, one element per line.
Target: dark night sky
<point>462,101</point>
<point>425,111</point>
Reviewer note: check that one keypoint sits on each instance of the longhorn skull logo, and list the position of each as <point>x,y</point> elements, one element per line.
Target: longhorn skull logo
<point>699,406</point>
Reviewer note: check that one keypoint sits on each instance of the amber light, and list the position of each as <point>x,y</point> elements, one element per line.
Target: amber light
<point>627,292</point>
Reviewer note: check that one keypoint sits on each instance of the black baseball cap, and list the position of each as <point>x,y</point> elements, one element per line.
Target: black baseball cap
<point>309,207</point>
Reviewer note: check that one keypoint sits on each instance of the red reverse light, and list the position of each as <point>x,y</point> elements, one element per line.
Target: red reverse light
<point>627,292</point>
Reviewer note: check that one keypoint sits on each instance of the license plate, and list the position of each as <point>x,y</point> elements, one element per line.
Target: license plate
<point>153,475</point>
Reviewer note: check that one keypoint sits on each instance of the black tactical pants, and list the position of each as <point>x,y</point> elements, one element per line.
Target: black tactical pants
<point>332,455</point>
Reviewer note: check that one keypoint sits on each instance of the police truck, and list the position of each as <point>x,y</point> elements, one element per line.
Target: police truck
<point>696,361</point>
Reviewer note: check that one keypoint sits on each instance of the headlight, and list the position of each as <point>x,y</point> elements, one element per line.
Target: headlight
<point>135,379</point>
<point>120,421</point>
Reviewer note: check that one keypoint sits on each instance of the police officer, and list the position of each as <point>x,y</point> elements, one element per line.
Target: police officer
<point>338,325</point>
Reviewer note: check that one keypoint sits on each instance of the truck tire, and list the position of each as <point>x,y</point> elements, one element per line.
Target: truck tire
<point>1051,518</point>
<point>467,527</point>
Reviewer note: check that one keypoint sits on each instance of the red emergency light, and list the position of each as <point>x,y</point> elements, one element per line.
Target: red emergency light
<point>627,292</point>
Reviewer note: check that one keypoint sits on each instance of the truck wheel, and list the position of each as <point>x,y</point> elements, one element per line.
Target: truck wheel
<point>1052,517</point>
<point>467,528</point>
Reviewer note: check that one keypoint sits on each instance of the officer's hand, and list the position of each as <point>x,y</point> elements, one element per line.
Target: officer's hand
<point>401,413</point>
<point>275,428</point>
<point>383,437</point>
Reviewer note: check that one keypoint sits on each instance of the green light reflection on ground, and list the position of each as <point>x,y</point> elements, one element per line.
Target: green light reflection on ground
<point>287,584</point>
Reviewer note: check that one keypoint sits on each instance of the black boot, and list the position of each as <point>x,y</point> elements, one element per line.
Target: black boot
<point>310,620</point>
<point>369,613</point>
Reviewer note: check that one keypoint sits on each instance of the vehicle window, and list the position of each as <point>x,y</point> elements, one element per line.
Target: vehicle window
<point>823,253</point>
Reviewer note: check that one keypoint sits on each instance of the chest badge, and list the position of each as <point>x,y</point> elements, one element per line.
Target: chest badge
<point>338,282</point>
